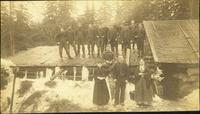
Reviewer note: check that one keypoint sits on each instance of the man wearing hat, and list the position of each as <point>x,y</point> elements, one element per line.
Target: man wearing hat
<point>126,37</point>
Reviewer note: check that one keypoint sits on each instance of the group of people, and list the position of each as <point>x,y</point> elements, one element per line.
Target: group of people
<point>114,71</point>
<point>80,35</point>
<point>113,74</point>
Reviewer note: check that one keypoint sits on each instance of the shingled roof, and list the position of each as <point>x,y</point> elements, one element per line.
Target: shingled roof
<point>174,41</point>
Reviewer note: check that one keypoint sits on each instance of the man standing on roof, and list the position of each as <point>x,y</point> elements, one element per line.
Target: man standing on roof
<point>80,39</point>
<point>91,39</point>
<point>105,39</point>
<point>133,32</point>
<point>62,42</point>
<point>140,39</point>
<point>71,39</point>
<point>113,37</point>
<point>100,38</point>
<point>126,36</point>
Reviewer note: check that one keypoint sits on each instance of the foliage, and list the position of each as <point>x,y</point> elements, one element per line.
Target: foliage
<point>104,13</point>
<point>153,10</point>
<point>17,22</point>
<point>57,15</point>
<point>166,9</point>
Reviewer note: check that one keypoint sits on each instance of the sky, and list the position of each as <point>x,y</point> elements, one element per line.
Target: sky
<point>36,9</point>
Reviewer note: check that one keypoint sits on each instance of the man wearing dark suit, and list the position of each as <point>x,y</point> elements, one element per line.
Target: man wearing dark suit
<point>79,40</point>
<point>120,74</point>
<point>133,32</point>
<point>91,39</point>
<point>99,41</point>
<point>105,37</point>
<point>71,39</point>
<point>61,39</point>
<point>126,37</point>
<point>113,37</point>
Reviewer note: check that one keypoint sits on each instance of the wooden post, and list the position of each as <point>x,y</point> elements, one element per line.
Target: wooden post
<point>47,72</point>
<point>26,73</point>
<point>74,69</point>
<point>37,75</point>
<point>13,88</point>
<point>44,73</point>
<point>128,57</point>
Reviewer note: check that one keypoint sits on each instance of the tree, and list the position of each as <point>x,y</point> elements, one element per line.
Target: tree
<point>104,13</point>
<point>14,28</point>
<point>57,15</point>
<point>89,15</point>
<point>49,25</point>
<point>21,28</point>
<point>64,16</point>
<point>124,11</point>
<point>140,10</point>
<point>22,19</point>
<point>5,28</point>
<point>166,9</point>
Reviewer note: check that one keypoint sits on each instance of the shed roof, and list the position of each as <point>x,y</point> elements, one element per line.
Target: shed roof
<point>174,41</point>
<point>48,56</point>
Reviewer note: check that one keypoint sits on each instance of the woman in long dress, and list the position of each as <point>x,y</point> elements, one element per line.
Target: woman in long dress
<point>100,93</point>
<point>143,85</point>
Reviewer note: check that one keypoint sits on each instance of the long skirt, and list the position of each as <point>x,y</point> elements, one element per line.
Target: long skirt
<point>143,94</point>
<point>101,93</point>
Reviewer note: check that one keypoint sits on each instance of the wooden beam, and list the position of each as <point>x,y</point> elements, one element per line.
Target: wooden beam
<point>188,38</point>
<point>151,42</point>
<point>15,70</point>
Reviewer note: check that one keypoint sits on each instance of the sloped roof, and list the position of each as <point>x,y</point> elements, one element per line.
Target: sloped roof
<point>49,56</point>
<point>174,41</point>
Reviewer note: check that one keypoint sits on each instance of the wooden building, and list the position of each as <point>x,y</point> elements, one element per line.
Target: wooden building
<point>36,62</point>
<point>174,46</point>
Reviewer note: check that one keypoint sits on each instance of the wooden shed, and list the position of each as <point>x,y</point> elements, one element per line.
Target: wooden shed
<point>174,46</point>
<point>36,62</point>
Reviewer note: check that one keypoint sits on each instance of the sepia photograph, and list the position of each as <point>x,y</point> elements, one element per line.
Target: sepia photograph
<point>64,56</point>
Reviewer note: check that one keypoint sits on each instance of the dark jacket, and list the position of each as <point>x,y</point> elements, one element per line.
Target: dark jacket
<point>113,36</point>
<point>99,39</point>
<point>121,72</point>
<point>70,35</point>
<point>102,71</point>
<point>133,31</point>
<point>126,34</point>
<point>61,37</point>
<point>79,35</point>
<point>105,32</point>
<point>91,34</point>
